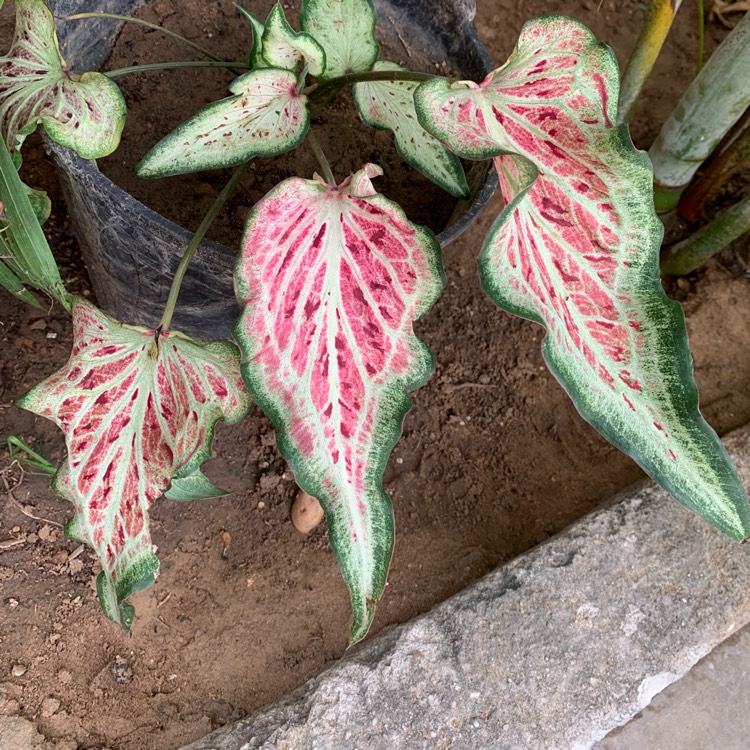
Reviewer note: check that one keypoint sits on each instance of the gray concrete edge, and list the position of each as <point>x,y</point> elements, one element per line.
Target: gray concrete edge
<point>552,650</point>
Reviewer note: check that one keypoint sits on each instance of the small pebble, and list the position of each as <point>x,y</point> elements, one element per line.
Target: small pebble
<point>307,512</point>
<point>50,707</point>
<point>18,670</point>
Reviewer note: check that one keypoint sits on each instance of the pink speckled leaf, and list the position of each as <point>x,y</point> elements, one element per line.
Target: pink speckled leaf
<point>331,279</point>
<point>576,248</point>
<point>85,113</point>
<point>137,412</point>
<point>265,117</point>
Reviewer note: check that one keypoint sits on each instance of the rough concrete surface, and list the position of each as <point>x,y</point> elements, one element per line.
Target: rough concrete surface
<point>550,651</point>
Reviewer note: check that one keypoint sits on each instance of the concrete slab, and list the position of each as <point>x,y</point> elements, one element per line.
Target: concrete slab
<point>551,651</point>
<point>708,709</point>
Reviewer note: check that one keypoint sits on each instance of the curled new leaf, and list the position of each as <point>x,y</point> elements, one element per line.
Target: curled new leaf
<point>137,411</point>
<point>577,249</point>
<point>265,117</point>
<point>331,280</point>
<point>85,113</point>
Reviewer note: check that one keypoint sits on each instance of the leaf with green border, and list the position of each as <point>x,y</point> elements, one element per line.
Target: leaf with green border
<point>266,117</point>
<point>137,410</point>
<point>345,29</point>
<point>576,248</point>
<point>389,105</point>
<point>331,279</point>
<point>256,51</point>
<point>282,47</point>
<point>85,113</point>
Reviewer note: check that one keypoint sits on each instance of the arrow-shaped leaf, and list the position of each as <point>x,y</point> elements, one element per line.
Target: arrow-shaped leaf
<point>137,411</point>
<point>346,31</point>
<point>282,47</point>
<point>265,117</point>
<point>576,248</point>
<point>331,280</point>
<point>85,113</point>
<point>389,105</point>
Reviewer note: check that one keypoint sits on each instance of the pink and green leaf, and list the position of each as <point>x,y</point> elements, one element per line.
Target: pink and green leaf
<point>138,411</point>
<point>389,105</point>
<point>331,279</point>
<point>345,29</point>
<point>85,113</point>
<point>282,47</point>
<point>576,249</point>
<point>265,117</point>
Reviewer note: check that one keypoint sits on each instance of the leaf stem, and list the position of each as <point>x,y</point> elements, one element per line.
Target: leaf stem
<point>370,75</point>
<point>148,24</point>
<point>321,157</point>
<point>197,238</point>
<point>179,64</point>
<point>701,37</point>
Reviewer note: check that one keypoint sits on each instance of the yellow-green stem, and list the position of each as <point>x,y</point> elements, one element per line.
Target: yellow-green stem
<point>656,26</point>
<point>196,240</point>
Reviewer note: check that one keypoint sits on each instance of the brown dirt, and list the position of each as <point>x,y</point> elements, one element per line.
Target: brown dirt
<point>494,459</point>
<point>159,101</point>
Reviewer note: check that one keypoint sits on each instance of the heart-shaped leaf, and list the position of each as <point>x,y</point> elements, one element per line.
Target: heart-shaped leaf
<point>346,31</point>
<point>85,113</point>
<point>577,249</point>
<point>282,47</point>
<point>331,280</point>
<point>138,411</point>
<point>389,105</point>
<point>265,117</point>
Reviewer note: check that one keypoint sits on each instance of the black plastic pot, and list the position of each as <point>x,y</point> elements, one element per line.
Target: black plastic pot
<point>131,251</point>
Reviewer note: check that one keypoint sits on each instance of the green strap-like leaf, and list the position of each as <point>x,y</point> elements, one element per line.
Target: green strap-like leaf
<point>85,113</point>
<point>11,282</point>
<point>576,248</point>
<point>389,105</point>
<point>137,410</point>
<point>346,31</point>
<point>283,48</point>
<point>25,247</point>
<point>265,117</point>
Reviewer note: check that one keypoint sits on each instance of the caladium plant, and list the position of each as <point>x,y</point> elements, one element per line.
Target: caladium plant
<point>332,275</point>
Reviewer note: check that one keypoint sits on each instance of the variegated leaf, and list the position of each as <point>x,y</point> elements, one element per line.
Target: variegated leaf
<point>331,280</point>
<point>265,117</point>
<point>283,48</point>
<point>389,105</point>
<point>256,51</point>
<point>346,31</point>
<point>85,113</point>
<point>576,248</point>
<point>138,411</point>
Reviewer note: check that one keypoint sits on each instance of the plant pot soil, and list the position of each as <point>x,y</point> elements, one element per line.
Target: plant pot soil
<point>494,460</point>
<point>131,252</point>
